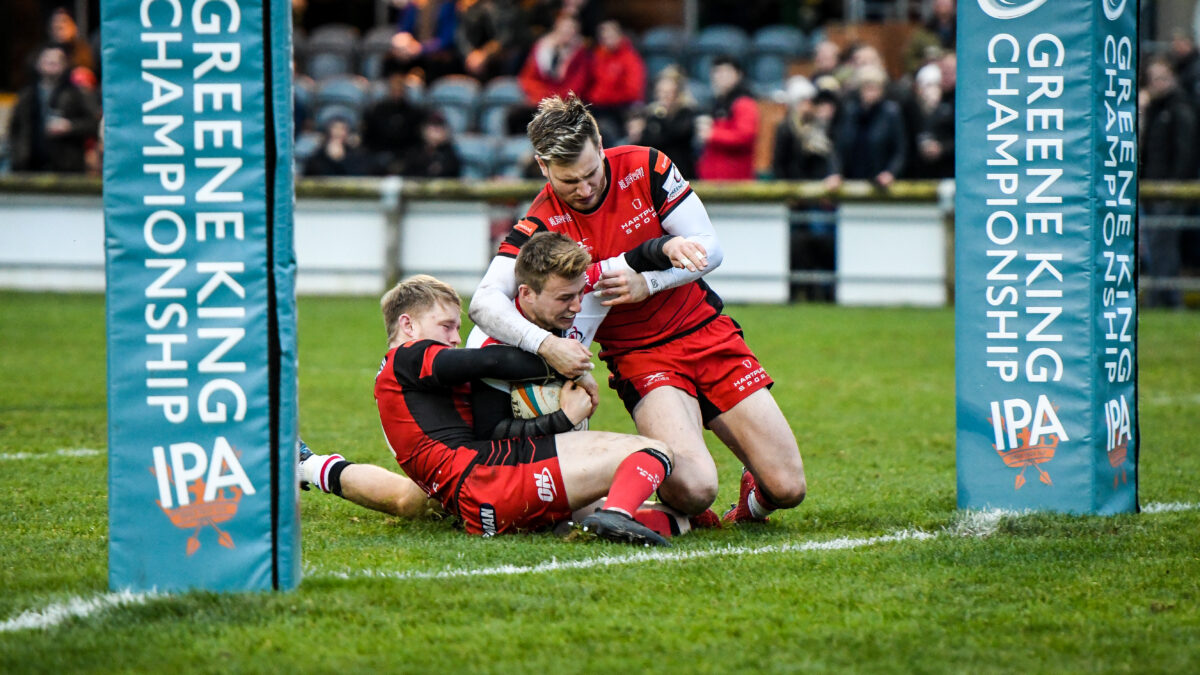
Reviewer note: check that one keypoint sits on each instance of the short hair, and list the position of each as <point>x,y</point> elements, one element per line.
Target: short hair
<point>728,60</point>
<point>416,294</point>
<point>561,128</point>
<point>550,253</point>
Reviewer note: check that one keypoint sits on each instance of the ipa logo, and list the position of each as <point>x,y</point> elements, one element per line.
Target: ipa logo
<point>1027,435</point>
<point>1120,432</point>
<point>192,487</point>
<point>1011,9</point>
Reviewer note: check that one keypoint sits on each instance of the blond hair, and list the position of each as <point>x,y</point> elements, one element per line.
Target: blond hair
<point>416,294</point>
<point>561,128</point>
<point>548,253</point>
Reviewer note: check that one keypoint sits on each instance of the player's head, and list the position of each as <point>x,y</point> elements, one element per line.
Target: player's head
<point>566,143</point>
<point>421,308</point>
<point>551,272</point>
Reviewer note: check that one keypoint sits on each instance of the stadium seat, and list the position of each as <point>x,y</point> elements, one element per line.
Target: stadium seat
<point>478,155</point>
<point>333,37</point>
<point>771,50</point>
<point>307,145</point>
<point>715,41</point>
<point>498,98</point>
<point>513,150</point>
<point>375,46</point>
<point>330,50</point>
<point>660,47</point>
<point>457,96</point>
<point>348,90</point>
<point>324,65</point>
<point>327,113</point>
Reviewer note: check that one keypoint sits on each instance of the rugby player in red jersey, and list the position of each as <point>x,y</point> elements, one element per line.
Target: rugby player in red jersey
<point>494,486</point>
<point>676,361</point>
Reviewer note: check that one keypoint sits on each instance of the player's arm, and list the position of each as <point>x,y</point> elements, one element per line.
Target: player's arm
<point>691,250</point>
<point>491,409</point>
<point>492,309</point>
<point>451,367</point>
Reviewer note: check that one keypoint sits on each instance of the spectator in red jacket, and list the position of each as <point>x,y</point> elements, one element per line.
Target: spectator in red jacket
<point>729,134</point>
<point>558,64</point>
<point>618,79</point>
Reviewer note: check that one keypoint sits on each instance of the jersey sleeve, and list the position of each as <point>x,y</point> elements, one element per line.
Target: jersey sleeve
<point>668,187</point>
<point>494,420</point>
<point>519,234</point>
<point>412,364</point>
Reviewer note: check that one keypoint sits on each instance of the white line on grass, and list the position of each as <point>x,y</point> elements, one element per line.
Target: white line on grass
<point>966,524</point>
<point>65,452</point>
<point>73,608</point>
<point>628,559</point>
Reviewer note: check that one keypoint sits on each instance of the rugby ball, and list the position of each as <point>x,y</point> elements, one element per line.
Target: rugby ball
<point>534,400</point>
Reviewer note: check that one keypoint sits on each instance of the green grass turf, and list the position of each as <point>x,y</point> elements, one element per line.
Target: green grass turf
<point>870,394</point>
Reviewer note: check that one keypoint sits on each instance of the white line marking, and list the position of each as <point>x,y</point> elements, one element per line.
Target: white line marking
<point>966,524</point>
<point>65,452</point>
<point>628,559</point>
<point>75,607</point>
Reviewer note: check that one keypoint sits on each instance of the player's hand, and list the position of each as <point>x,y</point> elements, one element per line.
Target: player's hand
<point>620,287</point>
<point>686,254</point>
<point>576,402</point>
<point>567,356</point>
<point>589,385</point>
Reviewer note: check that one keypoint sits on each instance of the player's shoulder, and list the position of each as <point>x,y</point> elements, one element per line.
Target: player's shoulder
<point>623,155</point>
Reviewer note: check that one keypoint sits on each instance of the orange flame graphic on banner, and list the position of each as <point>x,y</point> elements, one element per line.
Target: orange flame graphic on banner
<point>200,514</point>
<point>1025,455</point>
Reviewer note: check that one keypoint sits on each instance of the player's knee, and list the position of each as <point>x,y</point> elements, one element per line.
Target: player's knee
<point>785,494</point>
<point>643,443</point>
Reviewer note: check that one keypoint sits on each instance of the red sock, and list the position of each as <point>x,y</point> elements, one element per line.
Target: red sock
<point>656,520</point>
<point>636,478</point>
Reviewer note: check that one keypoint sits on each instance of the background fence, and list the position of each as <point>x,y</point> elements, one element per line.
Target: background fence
<point>356,235</point>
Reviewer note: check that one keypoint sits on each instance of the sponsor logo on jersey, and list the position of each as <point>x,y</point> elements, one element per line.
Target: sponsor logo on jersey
<point>1012,9</point>
<point>637,203</point>
<point>526,227</point>
<point>487,519</point>
<point>637,173</point>
<point>545,485</point>
<point>750,379</point>
<point>197,490</point>
<point>555,221</point>
<point>636,222</point>
<point>675,184</point>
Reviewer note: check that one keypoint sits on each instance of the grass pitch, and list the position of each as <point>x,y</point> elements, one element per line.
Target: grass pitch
<point>870,394</point>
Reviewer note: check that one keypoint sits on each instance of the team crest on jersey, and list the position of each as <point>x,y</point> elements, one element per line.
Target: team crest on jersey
<point>675,184</point>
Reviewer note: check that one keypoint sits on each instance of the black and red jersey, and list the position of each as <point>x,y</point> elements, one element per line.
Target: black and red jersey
<point>643,187</point>
<point>423,392</point>
<point>425,422</point>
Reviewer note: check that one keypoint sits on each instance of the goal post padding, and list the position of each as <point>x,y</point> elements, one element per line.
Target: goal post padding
<point>200,299</point>
<point>1045,255</point>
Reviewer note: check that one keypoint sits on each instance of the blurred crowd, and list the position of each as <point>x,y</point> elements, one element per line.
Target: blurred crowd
<point>444,89</point>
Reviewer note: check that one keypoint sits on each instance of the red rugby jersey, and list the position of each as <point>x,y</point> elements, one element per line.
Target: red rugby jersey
<point>425,422</point>
<point>643,186</point>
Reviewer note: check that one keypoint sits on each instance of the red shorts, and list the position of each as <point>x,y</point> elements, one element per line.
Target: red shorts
<point>713,364</point>
<point>515,485</point>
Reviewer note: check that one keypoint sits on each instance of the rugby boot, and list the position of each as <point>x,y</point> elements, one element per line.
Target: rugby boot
<point>709,520</point>
<point>740,513</point>
<point>616,526</point>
